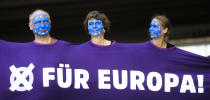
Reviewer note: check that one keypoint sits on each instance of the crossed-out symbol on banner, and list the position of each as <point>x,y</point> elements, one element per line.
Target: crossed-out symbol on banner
<point>21,78</point>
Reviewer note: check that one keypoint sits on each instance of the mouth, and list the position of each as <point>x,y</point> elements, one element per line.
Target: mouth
<point>95,31</point>
<point>43,30</point>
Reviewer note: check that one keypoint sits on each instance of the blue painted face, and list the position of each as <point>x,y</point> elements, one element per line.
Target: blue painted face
<point>155,29</point>
<point>95,27</point>
<point>41,24</point>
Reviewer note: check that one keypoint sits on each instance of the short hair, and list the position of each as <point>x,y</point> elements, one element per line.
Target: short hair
<point>37,11</point>
<point>165,22</point>
<point>99,16</point>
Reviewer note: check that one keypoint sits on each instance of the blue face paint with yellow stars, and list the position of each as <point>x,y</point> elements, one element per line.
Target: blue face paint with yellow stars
<point>41,24</point>
<point>95,27</point>
<point>155,29</point>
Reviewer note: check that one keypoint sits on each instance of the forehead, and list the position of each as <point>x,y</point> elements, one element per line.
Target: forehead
<point>156,22</point>
<point>40,16</point>
<point>94,20</point>
<point>36,13</point>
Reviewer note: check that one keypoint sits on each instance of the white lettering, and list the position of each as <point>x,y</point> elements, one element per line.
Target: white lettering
<point>150,81</point>
<point>169,83</point>
<point>47,77</point>
<point>124,79</point>
<point>102,79</point>
<point>136,82</point>
<point>187,84</point>
<point>83,81</point>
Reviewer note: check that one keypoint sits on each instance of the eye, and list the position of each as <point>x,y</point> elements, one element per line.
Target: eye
<point>98,23</point>
<point>37,23</point>
<point>46,22</point>
<point>90,23</point>
<point>151,26</point>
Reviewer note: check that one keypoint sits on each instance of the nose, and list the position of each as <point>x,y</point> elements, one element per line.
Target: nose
<point>42,24</point>
<point>150,29</point>
<point>94,25</point>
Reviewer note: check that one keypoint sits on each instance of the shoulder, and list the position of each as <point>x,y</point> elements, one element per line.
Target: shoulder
<point>63,43</point>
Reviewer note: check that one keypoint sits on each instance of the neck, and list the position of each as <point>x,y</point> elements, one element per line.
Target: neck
<point>99,40</point>
<point>160,42</point>
<point>44,39</point>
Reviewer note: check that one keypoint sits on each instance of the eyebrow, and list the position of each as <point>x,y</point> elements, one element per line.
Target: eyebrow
<point>37,21</point>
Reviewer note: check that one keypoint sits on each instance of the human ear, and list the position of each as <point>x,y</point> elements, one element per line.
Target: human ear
<point>30,26</point>
<point>165,30</point>
<point>104,31</point>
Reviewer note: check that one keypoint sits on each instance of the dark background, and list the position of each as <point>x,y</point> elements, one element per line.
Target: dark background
<point>130,19</point>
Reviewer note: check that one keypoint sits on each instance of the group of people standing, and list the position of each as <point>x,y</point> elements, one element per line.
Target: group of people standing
<point>99,53</point>
<point>97,24</point>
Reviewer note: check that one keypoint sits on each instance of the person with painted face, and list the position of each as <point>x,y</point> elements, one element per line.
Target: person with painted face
<point>97,24</point>
<point>159,31</point>
<point>40,24</point>
<point>43,52</point>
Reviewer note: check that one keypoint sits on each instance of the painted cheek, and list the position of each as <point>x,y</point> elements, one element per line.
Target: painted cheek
<point>34,30</point>
<point>36,26</point>
<point>158,29</point>
<point>47,24</point>
<point>48,27</point>
<point>91,27</point>
<point>100,27</point>
<point>155,29</point>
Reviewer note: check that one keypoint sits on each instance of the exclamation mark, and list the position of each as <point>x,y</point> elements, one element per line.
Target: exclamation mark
<point>200,84</point>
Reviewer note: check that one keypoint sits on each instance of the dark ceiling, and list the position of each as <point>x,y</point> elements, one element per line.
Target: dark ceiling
<point>129,18</point>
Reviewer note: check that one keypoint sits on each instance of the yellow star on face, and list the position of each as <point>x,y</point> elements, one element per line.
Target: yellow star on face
<point>36,17</point>
<point>42,33</point>
<point>35,30</point>
<point>40,16</point>
<point>91,33</point>
<point>159,26</point>
<point>38,32</point>
<point>99,32</point>
<point>95,34</point>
